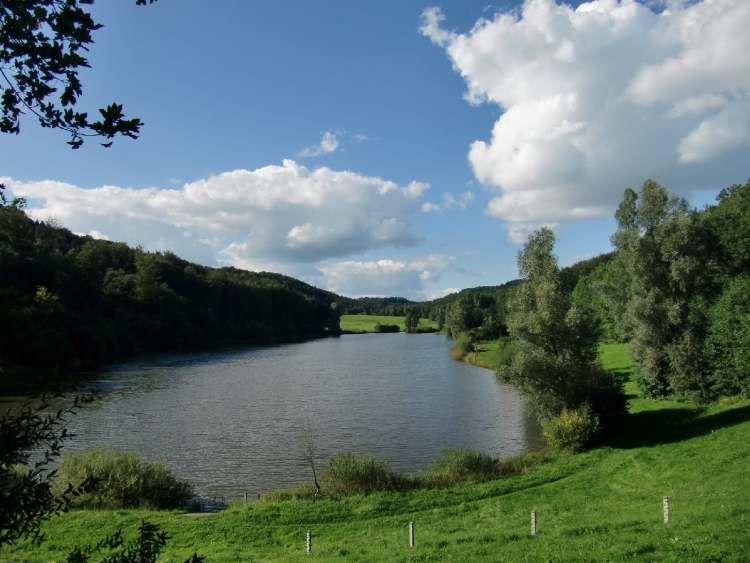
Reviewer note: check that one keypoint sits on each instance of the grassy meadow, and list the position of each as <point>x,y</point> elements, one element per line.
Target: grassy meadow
<point>602,505</point>
<point>366,323</point>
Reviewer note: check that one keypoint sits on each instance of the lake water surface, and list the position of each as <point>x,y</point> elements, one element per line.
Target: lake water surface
<point>231,422</point>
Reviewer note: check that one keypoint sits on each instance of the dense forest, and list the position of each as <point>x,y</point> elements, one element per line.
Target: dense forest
<point>72,301</point>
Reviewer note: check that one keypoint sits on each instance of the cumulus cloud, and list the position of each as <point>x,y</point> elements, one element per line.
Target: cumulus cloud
<point>600,97</point>
<point>412,278</point>
<point>277,216</point>
<point>328,143</point>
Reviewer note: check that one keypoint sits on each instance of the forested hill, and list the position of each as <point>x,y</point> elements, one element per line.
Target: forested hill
<point>74,302</point>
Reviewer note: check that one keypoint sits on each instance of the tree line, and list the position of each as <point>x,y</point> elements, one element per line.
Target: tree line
<point>676,288</point>
<point>72,301</point>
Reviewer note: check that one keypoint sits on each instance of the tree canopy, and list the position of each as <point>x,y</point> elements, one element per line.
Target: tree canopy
<point>43,46</point>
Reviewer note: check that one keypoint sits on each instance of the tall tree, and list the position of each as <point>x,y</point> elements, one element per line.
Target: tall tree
<point>665,249</point>
<point>555,357</point>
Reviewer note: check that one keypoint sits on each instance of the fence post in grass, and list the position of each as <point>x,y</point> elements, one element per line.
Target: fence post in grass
<point>533,523</point>
<point>411,534</point>
<point>308,543</point>
<point>245,497</point>
<point>665,509</point>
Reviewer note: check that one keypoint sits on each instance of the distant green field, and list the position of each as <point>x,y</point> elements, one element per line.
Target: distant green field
<point>366,323</point>
<point>602,505</point>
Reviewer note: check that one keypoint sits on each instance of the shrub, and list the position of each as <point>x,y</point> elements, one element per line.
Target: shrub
<point>349,474</point>
<point>461,465</point>
<point>462,346</point>
<point>387,328</point>
<point>120,480</point>
<point>572,429</point>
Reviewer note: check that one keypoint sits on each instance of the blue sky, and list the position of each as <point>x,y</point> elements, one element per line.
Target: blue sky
<point>333,140</point>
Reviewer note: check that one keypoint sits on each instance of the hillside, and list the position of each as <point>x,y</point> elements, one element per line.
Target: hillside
<point>603,505</point>
<point>77,302</point>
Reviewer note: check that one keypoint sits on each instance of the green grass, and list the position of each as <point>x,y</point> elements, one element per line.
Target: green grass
<point>485,354</point>
<point>602,505</point>
<point>366,323</point>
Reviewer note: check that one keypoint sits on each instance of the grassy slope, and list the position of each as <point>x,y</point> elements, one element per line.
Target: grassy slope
<point>485,354</point>
<point>366,323</point>
<point>597,506</point>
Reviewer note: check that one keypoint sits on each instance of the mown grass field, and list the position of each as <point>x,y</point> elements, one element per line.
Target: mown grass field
<point>366,323</point>
<point>603,505</point>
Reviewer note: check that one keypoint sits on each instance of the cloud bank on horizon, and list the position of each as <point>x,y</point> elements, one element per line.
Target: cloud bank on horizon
<point>600,97</point>
<point>284,218</point>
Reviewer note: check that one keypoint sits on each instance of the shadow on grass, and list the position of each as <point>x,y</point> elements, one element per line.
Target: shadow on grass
<point>664,426</point>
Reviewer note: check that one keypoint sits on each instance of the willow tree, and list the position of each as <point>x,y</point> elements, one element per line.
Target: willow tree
<point>555,341</point>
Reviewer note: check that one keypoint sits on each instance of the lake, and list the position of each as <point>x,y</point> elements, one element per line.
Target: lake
<point>232,421</point>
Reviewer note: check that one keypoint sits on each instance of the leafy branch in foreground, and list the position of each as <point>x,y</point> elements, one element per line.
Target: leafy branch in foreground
<point>144,549</point>
<point>42,48</point>
<point>26,497</point>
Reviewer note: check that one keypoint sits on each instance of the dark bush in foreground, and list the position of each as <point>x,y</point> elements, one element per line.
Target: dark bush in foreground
<point>349,474</point>
<point>120,480</point>
<point>460,466</point>
<point>387,328</point>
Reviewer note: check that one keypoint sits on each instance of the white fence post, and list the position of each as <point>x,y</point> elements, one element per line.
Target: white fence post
<point>665,509</point>
<point>308,543</point>
<point>411,534</point>
<point>533,523</point>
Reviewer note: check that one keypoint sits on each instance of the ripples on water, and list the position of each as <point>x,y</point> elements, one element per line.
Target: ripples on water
<point>230,422</point>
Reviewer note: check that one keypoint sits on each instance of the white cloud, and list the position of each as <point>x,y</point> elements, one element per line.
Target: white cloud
<point>437,294</point>
<point>598,98</point>
<point>281,216</point>
<point>449,201</point>
<point>385,278</point>
<point>95,234</point>
<point>328,144</point>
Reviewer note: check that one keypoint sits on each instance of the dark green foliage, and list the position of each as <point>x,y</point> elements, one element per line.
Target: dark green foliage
<point>412,320</point>
<point>387,328</point>
<point>349,474</point>
<point>728,342</point>
<point>481,310</point>
<point>120,480</point>
<point>43,44</point>
<point>76,302</point>
<point>26,496</point>
<point>729,222</point>
<point>389,306</point>
<point>143,549</point>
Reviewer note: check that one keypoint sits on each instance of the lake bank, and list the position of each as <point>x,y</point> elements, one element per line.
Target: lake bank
<point>696,456</point>
<point>231,422</point>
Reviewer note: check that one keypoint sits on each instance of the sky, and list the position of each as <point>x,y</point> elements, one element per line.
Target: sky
<point>397,147</point>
